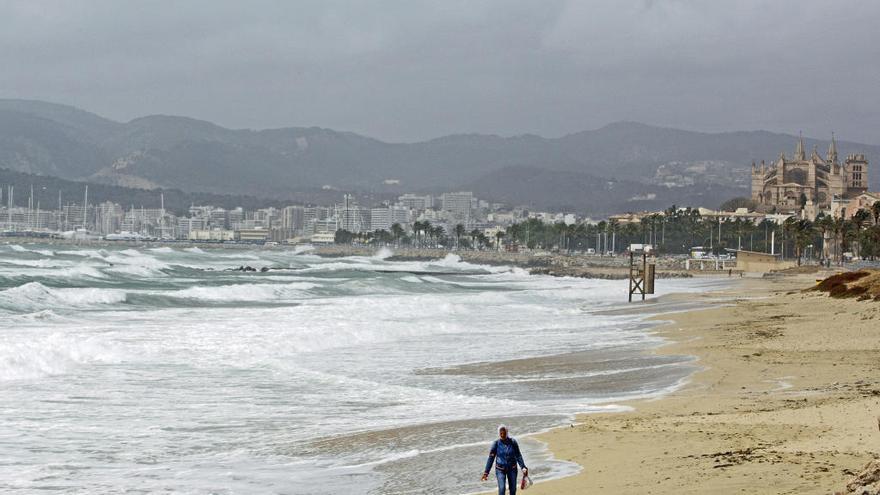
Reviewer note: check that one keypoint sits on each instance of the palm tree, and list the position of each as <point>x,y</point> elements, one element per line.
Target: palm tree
<point>655,217</point>
<point>614,227</point>
<point>803,237</point>
<point>875,210</point>
<point>579,235</point>
<point>397,232</point>
<point>789,235</point>
<point>474,234</point>
<point>850,234</point>
<point>514,232</point>
<point>837,228</point>
<point>600,228</point>
<point>437,233</point>
<point>801,234</point>
<point>417,228</point>
<point>482,240</point>
<point>859,219</point>
<point>824,224</point>
<point>631,231</point>
<point>427,231</point>
<point>498,236</point>
<point>459,231</point>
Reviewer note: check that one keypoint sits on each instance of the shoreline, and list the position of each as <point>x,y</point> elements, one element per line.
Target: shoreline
<point>783,402</point>
<point>537,263</point>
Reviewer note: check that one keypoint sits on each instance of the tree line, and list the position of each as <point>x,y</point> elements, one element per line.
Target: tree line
<point>424,235</point>
<point>674,231</point>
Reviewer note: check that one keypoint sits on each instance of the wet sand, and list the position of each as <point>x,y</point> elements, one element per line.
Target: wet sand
<point>786,402</point>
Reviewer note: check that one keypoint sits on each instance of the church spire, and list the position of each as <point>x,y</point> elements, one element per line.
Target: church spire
<point>832,150</point>
<point>799,153</point>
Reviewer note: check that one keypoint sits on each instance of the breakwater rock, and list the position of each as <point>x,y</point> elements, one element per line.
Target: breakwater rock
<point>537,263</point>
<point>607,273</point>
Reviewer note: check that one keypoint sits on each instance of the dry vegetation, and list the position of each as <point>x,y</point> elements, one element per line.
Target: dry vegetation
<point>862,284</point>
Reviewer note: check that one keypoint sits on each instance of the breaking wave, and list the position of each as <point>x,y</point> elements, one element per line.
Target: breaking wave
<point>245,292</point>
<point>34,296</point>
<point>383,253</point>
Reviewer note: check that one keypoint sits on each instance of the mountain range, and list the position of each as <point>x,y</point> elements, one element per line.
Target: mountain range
<point>623,166</point>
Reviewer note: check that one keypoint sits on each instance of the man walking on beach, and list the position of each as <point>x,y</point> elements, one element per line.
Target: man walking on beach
<point>505,452</point>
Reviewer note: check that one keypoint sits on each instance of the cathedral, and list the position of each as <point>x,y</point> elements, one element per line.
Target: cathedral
<point>784,184</point>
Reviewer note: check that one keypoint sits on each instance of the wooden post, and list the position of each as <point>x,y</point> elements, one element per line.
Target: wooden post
<point>631,279</point>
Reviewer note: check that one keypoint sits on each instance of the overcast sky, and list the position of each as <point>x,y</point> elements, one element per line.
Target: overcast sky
<point>410,70</point>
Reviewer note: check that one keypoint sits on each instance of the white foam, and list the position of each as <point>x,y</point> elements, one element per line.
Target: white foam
<point>136,263</point>
<point>449,260</point>
<point>86,253</point>
<point>34,296</point>
<point>21,249</point>
<point>80,271</point>
<point>303,249</point>
<point>245,292</point>
<point>50,270</point>
<point>342,359</point>
<point>40,263</point>
<point>54,354</point>
<point>383,253</point>
<point>135,270</point>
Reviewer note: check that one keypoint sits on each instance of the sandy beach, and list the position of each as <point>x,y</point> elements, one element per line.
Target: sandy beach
<point>786,402</point>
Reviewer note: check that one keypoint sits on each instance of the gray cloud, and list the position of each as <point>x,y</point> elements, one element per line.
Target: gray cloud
<point>409,70</point>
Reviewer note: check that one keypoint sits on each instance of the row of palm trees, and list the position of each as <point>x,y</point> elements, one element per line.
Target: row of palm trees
<point>859,234</point>
<point>424,235</point>
<point>675,231</point>
<point>428,235</point>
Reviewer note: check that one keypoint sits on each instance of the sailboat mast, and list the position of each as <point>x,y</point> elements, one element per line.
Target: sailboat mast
<point>86,208</point>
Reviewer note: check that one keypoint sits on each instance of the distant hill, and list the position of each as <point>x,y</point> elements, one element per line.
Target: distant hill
<point>47,190</point>
<point>193,155</point>
<point>575,191</point>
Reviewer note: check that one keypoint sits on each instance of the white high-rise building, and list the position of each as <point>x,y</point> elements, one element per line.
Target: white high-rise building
<point>401,215</point>
<point>108,217</point>
<point>235,217</point>
<point>459,205</point>
<point>380,218</point>
<point>416,202</point>
<point>293,219</point>
<point>352,217</point>
<point>190,224</point>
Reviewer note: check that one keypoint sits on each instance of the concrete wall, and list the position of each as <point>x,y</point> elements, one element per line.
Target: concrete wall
<point>750,262</point>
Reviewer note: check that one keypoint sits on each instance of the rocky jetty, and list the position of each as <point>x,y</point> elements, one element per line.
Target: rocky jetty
<point>538,263</point>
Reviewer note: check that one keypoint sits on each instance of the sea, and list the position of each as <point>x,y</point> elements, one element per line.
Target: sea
<point>169,369</point>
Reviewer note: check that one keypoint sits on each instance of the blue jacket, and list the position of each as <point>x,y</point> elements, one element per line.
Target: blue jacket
<point>506,455</point>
